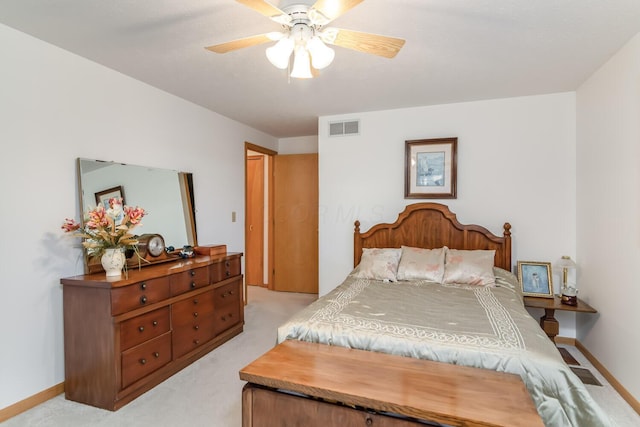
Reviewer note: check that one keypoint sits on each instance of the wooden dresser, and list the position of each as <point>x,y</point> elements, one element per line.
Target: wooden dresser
<point>124,336</point>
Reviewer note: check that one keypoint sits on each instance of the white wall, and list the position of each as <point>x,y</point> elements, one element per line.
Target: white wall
<point>608,213</point>
<point>516,163</point>
<point>55,107</point>
<point>298,145</point>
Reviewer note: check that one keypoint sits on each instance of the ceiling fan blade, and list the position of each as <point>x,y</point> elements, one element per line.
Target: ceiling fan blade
<point>241,43</point>
<point>365,42</point>
<point>331,9</point>
<point>267,9</point>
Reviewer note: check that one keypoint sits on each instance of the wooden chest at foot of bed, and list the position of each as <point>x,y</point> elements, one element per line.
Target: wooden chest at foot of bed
<point>320,385</point>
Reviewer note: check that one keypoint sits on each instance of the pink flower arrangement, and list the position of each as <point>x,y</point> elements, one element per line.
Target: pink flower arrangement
<point>107,228</point>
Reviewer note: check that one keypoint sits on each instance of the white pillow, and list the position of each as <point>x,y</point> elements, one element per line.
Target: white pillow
<point>378,264</point>
<point>469,267</point>
<point>421,264</point>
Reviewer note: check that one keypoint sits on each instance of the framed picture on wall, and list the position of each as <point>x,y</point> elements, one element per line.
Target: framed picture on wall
<point>535,278</point>
<point>430,168</point>
<point>102,197</point>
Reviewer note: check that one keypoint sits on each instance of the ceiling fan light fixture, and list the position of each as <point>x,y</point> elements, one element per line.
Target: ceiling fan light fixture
<point>301,64</point>
<point>276,35</point>
<point>279,53</point>
<point>305,36</point>
<point>321,54</point>
<point>317,18</point>
<point>329,35</point>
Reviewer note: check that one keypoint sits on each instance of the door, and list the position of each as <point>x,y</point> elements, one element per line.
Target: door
<point>254,261</point>
<point>296,223</point>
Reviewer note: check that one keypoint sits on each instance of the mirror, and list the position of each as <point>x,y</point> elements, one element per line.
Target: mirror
<point>166,195</point>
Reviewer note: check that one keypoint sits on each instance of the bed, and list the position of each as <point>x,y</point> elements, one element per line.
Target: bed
<point>457,303</point>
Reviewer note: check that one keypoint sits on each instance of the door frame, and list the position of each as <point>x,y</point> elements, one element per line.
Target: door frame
<point>268,153</point>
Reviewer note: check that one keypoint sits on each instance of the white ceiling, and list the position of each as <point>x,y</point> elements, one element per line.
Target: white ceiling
<point>456,50</point>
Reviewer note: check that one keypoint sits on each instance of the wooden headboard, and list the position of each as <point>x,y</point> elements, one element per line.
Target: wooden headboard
<point>429,226</point>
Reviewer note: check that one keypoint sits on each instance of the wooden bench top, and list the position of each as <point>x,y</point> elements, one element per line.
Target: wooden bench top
<point>432,391</point>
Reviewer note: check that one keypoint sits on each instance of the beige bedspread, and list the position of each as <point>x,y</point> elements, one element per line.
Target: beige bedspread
<point>484,327</point>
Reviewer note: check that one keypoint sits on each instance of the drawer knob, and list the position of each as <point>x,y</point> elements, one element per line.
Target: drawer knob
<point>195,314</point>
<point>154,323</point>
<point>193,284</point>
<point>196,327</point>
<point>196,342</point>
<point>141,328</point>
<point>228,273</point>
<point>143,361</point>
<point>192,273</point>
<point>369,421</point>
<point>143,285</point>
<point>143,299</point>
<point>195,301</point>
<point>156,354</point>
<point>226,264</point>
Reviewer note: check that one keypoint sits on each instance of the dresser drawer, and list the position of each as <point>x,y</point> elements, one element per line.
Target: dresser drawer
<point>139,295</point>
<point>191,335</point>
<point>227,295</point>
<point>225,318</point>
<point>190,309</point>
<point>142,328</point>
<point>225,269</point>
<point>189,280</point>
<point>142,360</point>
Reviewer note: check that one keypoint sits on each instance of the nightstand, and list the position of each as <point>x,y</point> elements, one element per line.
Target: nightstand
<point>548,322</point>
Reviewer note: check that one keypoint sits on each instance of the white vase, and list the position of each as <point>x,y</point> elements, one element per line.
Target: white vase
<point>112,261</point>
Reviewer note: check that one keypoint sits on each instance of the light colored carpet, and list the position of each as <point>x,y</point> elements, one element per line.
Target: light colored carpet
<point>620,412</point>
<point>207,393</point>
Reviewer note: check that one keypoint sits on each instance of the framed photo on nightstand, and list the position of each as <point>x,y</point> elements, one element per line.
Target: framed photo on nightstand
<point>535,278</point>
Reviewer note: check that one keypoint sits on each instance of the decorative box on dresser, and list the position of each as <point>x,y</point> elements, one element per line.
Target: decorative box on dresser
<point>123,336</point>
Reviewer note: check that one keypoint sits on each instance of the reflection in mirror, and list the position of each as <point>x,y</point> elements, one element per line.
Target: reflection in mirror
<point>166,195</point>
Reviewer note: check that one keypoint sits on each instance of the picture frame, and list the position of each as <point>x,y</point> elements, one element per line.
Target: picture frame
<point>102,197</point>
<point>431,168</point>
<point>535,279</point>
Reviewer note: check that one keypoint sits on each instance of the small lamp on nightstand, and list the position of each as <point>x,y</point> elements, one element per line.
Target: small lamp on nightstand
<point>569,292</point>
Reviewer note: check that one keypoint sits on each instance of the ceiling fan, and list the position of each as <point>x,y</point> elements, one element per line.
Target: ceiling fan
<point>305,36</point>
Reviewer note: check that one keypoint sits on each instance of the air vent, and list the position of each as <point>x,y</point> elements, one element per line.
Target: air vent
<point>351,127</point>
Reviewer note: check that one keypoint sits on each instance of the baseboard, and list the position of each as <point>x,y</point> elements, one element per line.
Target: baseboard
<point>30,402</point>
<point>632,401</point>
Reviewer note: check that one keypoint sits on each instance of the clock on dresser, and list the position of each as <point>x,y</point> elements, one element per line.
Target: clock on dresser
<point>151,246</point>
